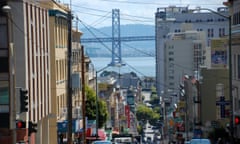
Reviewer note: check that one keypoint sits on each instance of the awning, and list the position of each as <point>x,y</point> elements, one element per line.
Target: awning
<point>101,135</point>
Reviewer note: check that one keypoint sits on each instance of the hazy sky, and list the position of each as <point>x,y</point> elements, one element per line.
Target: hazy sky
<point>98,13</point>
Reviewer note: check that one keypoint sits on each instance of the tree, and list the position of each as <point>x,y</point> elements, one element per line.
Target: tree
<point>91,107</point>
<point>103,113</point>
<point>154,100</point>
<point>90,104</point>
<point>144,113</point>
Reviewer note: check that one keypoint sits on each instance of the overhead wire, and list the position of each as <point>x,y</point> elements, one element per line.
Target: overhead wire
<point>110,49</point>
<point>147,54</point>
<point>143,52</point>
<point>166,86</point>
<point>101,19</point>
<point>134,18</point>
<point>127,17</point>
<point>159,3</point>
<point>29,39</point>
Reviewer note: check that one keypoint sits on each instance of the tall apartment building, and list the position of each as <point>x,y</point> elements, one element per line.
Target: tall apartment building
<point>169,20</point>
<point>184,53</point>
<point>25,54</point>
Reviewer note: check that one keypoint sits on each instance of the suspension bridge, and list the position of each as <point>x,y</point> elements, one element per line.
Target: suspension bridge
<point>116,39</point>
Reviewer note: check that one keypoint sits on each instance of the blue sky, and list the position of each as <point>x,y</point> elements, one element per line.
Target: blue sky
<point>98,13</point>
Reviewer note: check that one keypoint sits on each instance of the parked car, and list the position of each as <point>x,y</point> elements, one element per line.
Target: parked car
<point>200,141</point>
<point>102,142</point>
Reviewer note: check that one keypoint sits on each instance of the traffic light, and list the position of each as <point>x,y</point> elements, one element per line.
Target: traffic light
<point>182,90</point>
<point>237,120</point>
<point>23,100</point>
<point>32,128</point>
<point>20,124</point>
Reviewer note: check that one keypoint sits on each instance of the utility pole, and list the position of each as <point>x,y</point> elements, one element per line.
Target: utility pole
<point>69,96</point>
<point>187,89</point>
<point>83,95</point>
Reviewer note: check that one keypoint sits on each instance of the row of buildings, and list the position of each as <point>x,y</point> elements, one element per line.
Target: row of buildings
<point>40,52</point>
<point>193,48</point>
<point>35,56</point>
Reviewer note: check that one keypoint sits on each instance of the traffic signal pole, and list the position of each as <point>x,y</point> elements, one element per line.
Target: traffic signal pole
<point>69,95</point>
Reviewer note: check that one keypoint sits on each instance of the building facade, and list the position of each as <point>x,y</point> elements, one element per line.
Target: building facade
<point>169,20</point>
<point>28,67</point>
<point>184,54</point>
<point>58,26</point>
<point>235,14</point>
<point>34,56</point>
<point>215,100</point>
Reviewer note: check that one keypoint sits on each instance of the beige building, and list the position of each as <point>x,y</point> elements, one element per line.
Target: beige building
<point>59,64</point>
<point>29,68</point>
<point>58,30</point>
<point>36,59</point>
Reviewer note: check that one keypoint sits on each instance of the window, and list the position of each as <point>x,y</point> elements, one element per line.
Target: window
<point>171,53</point>
<point>209,32</point>
<point>3,36</point>
<point>4,65</point>
<point>221,32</point>
<point>171,59</point>
<point>171,65</point>
<point>171,84</point>
<point>171,77</point>
<point>212,33</point>
<point>4,93</point>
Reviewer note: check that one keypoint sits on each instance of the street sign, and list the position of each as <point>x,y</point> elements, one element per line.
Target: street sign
<point>222,103</point>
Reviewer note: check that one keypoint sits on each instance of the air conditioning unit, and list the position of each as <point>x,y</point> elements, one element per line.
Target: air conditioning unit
<point>63,113</point>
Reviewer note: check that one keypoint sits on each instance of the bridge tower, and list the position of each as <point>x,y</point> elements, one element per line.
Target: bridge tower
<point>116,39</point>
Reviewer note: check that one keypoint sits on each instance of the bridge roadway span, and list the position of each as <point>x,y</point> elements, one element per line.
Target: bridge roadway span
<point>122,39</point>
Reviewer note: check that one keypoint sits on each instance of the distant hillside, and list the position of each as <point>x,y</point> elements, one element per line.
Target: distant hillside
<point>134,48</point>
<point>126,30</point>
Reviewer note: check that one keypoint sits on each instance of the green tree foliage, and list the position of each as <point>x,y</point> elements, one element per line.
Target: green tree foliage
<point>91,107</point>
<point>90,104</point>
<point>219,133</point>
<point>103,113</point>
<point>157,109</point>
<point>144,113</point>
<point>154,100</point>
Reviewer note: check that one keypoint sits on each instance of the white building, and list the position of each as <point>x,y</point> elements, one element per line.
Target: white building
<point>184,53</point>
<point>170,19</point>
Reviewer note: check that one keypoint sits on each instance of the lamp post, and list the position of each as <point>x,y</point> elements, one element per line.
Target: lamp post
<point>7,9</point>
<point>229,17</point>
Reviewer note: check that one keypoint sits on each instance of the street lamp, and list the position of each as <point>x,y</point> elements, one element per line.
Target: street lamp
<point>229,17</point>
<point>11,53</point>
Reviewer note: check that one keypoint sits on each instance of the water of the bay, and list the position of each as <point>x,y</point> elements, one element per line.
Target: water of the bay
<point>142,66</point>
